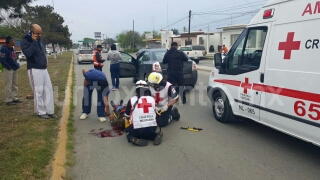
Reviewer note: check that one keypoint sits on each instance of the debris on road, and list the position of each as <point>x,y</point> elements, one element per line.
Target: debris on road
<point>107,133</point>
<point>192,129</point>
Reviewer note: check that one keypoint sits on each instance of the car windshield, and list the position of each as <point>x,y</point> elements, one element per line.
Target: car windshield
<point>201,48</point>
<point>185,48</point>
<point>85,52</point>
<point>159,55</point>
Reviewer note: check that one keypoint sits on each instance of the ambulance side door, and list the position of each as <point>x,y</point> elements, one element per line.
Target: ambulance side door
<point>245,63</point>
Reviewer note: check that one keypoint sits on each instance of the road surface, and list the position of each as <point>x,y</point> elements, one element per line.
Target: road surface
<point>244,150</point>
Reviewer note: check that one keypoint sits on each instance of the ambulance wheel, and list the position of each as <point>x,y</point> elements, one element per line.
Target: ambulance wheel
<point>221,108</point>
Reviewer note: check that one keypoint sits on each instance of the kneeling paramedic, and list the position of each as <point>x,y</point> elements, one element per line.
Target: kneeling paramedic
<point>165,97</point>
<point>95,79</point>
<point>142,117</point>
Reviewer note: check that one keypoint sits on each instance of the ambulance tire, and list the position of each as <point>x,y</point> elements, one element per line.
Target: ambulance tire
<point>227,115</point>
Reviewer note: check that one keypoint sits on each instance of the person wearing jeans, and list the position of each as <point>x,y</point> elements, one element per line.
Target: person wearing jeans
<point>114,57</point>
<point>95,79</point>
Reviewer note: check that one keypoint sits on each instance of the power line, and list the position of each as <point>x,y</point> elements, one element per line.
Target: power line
<point>176,22</point>
<point>240,15</point>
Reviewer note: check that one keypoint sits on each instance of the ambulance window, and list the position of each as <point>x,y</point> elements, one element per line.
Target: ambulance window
<point>247,53</point>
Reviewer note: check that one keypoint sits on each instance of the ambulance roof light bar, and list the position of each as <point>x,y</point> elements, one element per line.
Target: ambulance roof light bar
<point>268,13</point>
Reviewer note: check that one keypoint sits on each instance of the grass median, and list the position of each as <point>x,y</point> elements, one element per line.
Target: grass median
<point>28,143</point>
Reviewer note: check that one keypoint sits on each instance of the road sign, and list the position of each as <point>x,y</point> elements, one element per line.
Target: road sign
<point>97,34</point>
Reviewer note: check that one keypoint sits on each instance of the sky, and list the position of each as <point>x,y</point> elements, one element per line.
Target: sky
<point>85,17</point>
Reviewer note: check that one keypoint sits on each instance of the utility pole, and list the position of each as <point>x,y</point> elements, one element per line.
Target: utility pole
<point>208,38</point>
<point>189,27</point>
<point>152,24</point>
<point>167,14</point>
<point>103,37</point>
<point>133,34</point>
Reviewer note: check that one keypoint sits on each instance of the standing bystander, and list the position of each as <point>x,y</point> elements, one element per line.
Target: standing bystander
<point>37,62</point>
<point>175,58</point>
<point>114,56</point>
<point>97,58</point>
<point>8,59</point>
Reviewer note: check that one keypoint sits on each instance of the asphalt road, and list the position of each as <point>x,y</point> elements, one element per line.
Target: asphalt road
<point>244,150</point>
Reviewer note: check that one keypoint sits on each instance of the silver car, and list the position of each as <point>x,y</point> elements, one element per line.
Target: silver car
<point>85,55</point>
<point>22,57</point>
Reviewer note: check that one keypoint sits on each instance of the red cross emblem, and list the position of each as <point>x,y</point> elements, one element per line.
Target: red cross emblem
<point>245,85</point>
<point>145,105</point>
<point>289,45</point>
<point>158,98</point>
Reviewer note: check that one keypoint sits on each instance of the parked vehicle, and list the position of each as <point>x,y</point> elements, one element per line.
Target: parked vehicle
<point>140,51</point>
<point>48,50</point>
<point>85,55</point>
<point>151,61</point>
<point>199,48</point>
<point>271,73</point>
<point>22,57</point>
<point>195,55</point>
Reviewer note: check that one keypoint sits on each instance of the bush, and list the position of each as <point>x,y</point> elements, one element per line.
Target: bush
<point>131,50</point>
<point>211,48</point>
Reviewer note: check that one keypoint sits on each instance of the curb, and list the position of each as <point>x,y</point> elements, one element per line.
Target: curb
<point>59,170</point>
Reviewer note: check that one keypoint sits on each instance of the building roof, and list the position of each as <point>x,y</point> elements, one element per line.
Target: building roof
<point>238,26</point>
<point>152,40</point>
<point>192,34</point>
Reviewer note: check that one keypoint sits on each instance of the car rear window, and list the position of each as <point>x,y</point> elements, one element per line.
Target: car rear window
<point>159,55</point>
<point>201,48</point>
<point>85,52</point>
<point>185,49</point>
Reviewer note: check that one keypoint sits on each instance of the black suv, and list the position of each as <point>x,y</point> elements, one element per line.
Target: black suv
<point>150,60</point>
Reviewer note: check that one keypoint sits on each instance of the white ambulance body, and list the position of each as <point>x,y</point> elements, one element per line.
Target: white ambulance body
<point>272,72</point>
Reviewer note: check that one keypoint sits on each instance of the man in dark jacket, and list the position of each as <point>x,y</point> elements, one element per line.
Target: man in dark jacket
<point>34,51</point>
<point>175,58</point>
<point>8,59</point>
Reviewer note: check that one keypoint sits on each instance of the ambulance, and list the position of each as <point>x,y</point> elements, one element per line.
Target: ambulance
<point>272,72</point>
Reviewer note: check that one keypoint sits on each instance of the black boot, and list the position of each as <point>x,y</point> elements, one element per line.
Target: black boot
<point>112,104</point>
<point>175,114</point>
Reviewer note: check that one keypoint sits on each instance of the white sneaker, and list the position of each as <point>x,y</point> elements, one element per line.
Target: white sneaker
<point>102,119</point>
<point>83,116</point>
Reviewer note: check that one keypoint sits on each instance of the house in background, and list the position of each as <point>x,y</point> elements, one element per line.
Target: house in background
<point>230,34</point>
<point>153,43</point>
<point>222,36</point>
<point>2,41</point>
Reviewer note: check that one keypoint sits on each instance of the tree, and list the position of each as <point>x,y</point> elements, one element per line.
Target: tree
<point>129,39</point>
<point>211,48</point>
<point>109,41</point>
<point>185,29</point>
<point>51,23</point>
<point>8,31</point>
<point>14,6</point>
<point>175,31</point>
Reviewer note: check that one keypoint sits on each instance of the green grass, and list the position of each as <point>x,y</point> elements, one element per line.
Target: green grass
<point>28,143</point>
<point>70,128</point>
